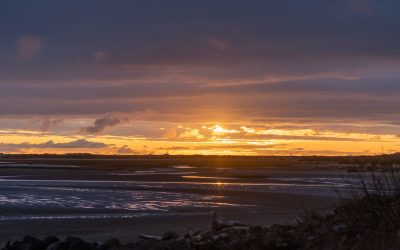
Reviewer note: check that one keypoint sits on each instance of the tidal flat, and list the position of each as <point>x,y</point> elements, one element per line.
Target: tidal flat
<point>97,199</point>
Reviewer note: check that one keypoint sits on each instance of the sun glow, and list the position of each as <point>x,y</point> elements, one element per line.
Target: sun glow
<point>218,129</point>
<point>207,139</point>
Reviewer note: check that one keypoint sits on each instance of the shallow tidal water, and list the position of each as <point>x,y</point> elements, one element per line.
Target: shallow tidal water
<point>174,190</point>
<point>98,204</point>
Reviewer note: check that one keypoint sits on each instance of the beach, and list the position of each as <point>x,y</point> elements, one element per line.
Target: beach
<point>96,200</point>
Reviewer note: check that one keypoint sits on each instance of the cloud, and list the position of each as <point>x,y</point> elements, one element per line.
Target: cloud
<point>125,150</point>
<point>360,6</point>
<point>229,147</point>
<point>183,133</point>
<point>301,152</point>
<point>99,56</point>
<point>101,124</point>
<point>255,134</point>
<point>80,143</point>
<point>29,46</point>
<point>219,43</point>
<point>174,148</point>
<point>48,124</point>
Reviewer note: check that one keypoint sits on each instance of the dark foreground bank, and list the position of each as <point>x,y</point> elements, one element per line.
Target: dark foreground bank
<point>371,222</point>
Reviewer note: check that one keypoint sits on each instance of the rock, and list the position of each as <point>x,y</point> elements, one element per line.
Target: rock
<point>8,245</point>
<point>50,240</point>
<point>148,244</point>
<point>177,245</point>
<point>235,229</point>
<point>30,239</point>
<point>70,243</point>
<point>219,223</point>
<point>170,235</point>
<point>80,245</point>
<point>220,236</point>
<point>197,237</point>
<point>149,237</point>
<point>339,227</point>
<point>73,239</point>
<point>311,237</point>
<point>189,234</point>
<point>111,244</point>
<point>12,245</point>
<point>96,245</point>
<point>59,245</point>
<point>31,243</point>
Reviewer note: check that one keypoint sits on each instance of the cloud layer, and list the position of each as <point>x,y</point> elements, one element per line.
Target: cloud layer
<point>81,143</point>
<point>159,71</point>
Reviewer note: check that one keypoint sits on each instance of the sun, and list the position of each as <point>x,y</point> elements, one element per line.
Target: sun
<point>218,129</point>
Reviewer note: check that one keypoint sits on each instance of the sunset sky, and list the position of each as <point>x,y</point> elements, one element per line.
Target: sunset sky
<point>274,77</point>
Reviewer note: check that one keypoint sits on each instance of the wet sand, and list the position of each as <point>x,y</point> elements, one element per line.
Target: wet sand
<point>282,209</point>
<point>52,198</point>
